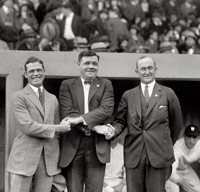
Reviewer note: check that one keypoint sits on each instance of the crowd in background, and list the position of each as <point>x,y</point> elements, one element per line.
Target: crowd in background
<point>132,26</point>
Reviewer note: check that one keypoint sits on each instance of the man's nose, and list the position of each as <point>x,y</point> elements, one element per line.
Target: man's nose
<point>91,65</point>
<point>35,72</point>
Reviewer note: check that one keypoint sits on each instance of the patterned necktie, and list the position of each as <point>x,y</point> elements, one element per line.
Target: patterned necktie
<point>41,96</point>
<point>146,94</point>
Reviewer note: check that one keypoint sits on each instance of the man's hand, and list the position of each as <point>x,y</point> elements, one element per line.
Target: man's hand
<point>75,120</point>
<point>107,130</point>
<point>64,126</point>
<point>111,132</point>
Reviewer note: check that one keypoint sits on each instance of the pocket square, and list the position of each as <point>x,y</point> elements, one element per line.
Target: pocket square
<point>161,106</point>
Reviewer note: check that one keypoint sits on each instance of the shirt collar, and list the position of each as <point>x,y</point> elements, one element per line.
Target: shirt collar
<point>35,89</point>
<point>70,16</point>
<point>150,85</point>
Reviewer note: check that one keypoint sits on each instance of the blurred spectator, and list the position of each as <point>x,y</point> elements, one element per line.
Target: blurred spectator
<point>157,23</point>
<point>136,39</point>
<point>123,44</point>
<point>190,43</point>
<point>100,45</point>
<point>174,43</point>
<point>96,27</point>
<point>49,29</point>
<point>186,8</point>
<point>26,21</point>
<point>40,44</point>
<point>8,30</point>
<point>81,44</point>
<point>166,47</point>
<point>70,25</point>
<point>152,41</point>
<point>171,7</point>
<point>131,10</point>
<point>86,10</point>
<point>27,41</point>
<point>40,9</point>
<point>156,6</point>
<point>186,151</point>
<point>52,46</point>
<point>116,27</point>
<point>145,7</point>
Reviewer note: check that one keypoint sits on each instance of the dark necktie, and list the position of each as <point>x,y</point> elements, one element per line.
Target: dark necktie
<point>41,96</point>
<point>88,82</point>
<point>146,94</point>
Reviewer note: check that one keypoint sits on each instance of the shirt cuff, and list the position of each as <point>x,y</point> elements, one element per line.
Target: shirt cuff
<point>84,123</point>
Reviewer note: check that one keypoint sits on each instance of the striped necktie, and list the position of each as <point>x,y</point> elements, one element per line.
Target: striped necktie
<point>41,96</point>
<point>146,94</point>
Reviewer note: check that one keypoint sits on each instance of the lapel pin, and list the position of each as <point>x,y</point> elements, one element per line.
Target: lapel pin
<point>156,95</point>
<point>98,85</point>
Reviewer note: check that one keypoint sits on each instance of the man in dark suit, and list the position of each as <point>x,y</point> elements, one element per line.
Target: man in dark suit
<point>88,100</point>
<point>33,160</point>
<point>70,24</point>
<point>152,115</point>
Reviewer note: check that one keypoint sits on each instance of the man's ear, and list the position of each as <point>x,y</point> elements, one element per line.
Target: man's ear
<point>136,71</point>
<point>78,63</point>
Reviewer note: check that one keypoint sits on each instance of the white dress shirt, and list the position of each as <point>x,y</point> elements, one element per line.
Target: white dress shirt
<point>86,89</point>
<point>68,33</point>
<point>35,89</point>
<point>150,87</point>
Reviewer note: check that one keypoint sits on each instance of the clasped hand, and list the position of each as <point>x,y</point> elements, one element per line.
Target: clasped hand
<point>107,130</point>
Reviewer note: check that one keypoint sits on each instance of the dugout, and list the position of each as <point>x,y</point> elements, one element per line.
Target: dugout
<point>180,72</point>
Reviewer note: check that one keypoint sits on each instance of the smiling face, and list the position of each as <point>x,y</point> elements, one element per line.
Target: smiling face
<point>35,74</point>
<point>146,68</point>
<point>88,66</point>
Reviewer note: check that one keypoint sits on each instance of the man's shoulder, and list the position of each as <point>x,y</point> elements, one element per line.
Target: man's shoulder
<point>164,88</point>
<point>70,80</point>
<point>102,79</point>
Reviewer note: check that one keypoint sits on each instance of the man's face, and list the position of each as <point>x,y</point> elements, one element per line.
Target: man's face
<point>146,70</point>
<point>191,141</point>
<point>35,74</point>
<point>88,67</point>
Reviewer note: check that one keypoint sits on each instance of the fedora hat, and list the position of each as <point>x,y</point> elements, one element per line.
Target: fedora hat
<point>165,46</point>
<point>49,29</point>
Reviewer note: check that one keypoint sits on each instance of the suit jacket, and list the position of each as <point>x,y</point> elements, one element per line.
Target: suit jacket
<point>101,103</point>
<point>77,26</point>
<point>34,133</point>
<point>160,130</point>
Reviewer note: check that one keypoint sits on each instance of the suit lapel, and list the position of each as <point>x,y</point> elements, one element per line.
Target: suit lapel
<point>94,88</point>
<point>34,99</point>
<point>154,97</point>
<point>78,89</point>
<point>137,101</point>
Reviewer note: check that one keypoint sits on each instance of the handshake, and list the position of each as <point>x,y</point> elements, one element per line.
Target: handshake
<point>66,124</point>
<point>107,130</point>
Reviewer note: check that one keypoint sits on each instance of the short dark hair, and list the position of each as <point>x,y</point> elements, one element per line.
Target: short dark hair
<point>87,53</point>
<point>33,60</point>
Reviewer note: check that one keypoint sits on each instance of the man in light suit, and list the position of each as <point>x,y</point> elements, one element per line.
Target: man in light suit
<point>88,100</point>
<point>33,160</point>
<point>153,120</point>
